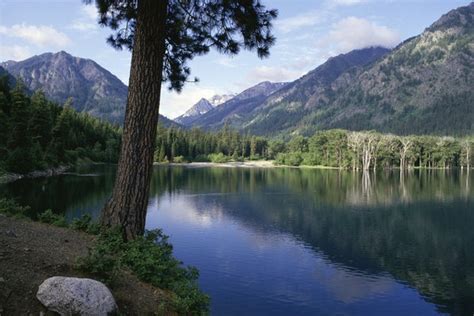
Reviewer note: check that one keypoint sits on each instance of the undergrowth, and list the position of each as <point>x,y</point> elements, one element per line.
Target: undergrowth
<point>151,259</point>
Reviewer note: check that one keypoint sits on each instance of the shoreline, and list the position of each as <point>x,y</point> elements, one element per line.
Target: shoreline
<point>32,252</point>
<point>11,177</point>
<point>230,164</point>
<point>264,164</point>
<point>253,164</point>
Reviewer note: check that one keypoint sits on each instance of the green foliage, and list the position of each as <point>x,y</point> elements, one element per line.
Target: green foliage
<point>343,149</point>
<point>289,159</point>
<point>11,208</point>
<point>36,134</point>
<point>202,158</point>
<point>150,258</point>
<point>49,217</point>
<point>179,159</point>
<point>218,158</point>
<point>82,223</point>
<point>196,145</point>
<point>104,259</point>
<point>191,29</point>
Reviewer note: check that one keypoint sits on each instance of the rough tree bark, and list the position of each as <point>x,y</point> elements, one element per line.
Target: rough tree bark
<point>128,204</point>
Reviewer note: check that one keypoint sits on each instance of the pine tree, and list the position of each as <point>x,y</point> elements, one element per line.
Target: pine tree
<point>41,120</point>
<point>163,36</point>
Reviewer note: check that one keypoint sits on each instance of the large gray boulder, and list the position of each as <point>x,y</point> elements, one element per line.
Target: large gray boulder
<point>75,296</point>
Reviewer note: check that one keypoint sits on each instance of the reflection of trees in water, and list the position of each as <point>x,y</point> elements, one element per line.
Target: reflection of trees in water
<point>333,187</point>
<point>357,219</point>
<point>466,184</point>
<point>72,194</point>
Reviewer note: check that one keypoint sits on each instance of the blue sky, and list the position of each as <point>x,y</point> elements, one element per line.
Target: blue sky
<point>307,31</point>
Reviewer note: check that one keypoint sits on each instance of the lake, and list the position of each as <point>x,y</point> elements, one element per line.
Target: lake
<point>289,241</point>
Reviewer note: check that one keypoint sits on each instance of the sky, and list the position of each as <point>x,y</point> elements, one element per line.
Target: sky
<point>308,32</point>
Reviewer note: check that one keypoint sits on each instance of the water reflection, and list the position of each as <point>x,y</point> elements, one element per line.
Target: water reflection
<point>304,241</point>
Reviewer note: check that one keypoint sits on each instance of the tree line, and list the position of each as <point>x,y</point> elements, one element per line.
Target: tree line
<point>36,134</point>
<point>330,148</point>
<point>179,145</point>
<point>372,150</point>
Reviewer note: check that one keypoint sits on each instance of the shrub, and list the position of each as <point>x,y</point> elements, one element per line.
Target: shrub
<point>294,159</point>
<point>81,223</point>
<point>290,159</point>
<point>49,217</point>
<point>201,158</point>
<point>255,157</point>
<point>86,224</point>
<point>11,208</point>
<point>280,159</point>
<point>218,158</point>
<point>151,259</point>
<point>179,159</point>
<point>103,259</point>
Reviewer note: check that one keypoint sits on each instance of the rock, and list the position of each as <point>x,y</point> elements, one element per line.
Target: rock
<point>75,296</point>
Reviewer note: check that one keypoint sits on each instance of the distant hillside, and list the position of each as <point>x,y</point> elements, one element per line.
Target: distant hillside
<point>284,109</point>
<point>202,107</point>
<point>424,86</point>
<point>92,88</point>
<point>198,109</point>
<point>238,106</point>
<point>221,98</point>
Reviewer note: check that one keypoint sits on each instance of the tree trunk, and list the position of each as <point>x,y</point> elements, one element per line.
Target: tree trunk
<point>128,204</point>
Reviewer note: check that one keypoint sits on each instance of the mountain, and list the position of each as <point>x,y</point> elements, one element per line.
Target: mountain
<point>10,79</point>
<point>201,107</point>
<point>219,99</point>
<point>423,86</point>
<point>283,109</point>
<point>238,106</point>
<point>92,88</point>
<point>249,105</point>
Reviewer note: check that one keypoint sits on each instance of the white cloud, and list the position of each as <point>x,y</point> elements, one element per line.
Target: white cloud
<point>174,104</point>
<point>40,35</point>
<point>87,20</point>
<point>14,52</point>
<point>355,33</point>
<point>293,23</point>
<point>273,74</point>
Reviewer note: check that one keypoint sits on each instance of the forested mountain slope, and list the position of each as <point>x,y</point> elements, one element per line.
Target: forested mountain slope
<point>238,106</point>
<point>425,85</point>
<point>60,76</point>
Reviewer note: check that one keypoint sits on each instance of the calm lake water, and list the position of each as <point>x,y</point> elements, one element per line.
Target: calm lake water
<point>302,242</point>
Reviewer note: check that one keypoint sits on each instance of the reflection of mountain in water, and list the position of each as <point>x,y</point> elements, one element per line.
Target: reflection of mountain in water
<point>393,223</point>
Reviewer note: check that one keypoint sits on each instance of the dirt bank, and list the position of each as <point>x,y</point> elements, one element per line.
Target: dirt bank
<point>31,252</point>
